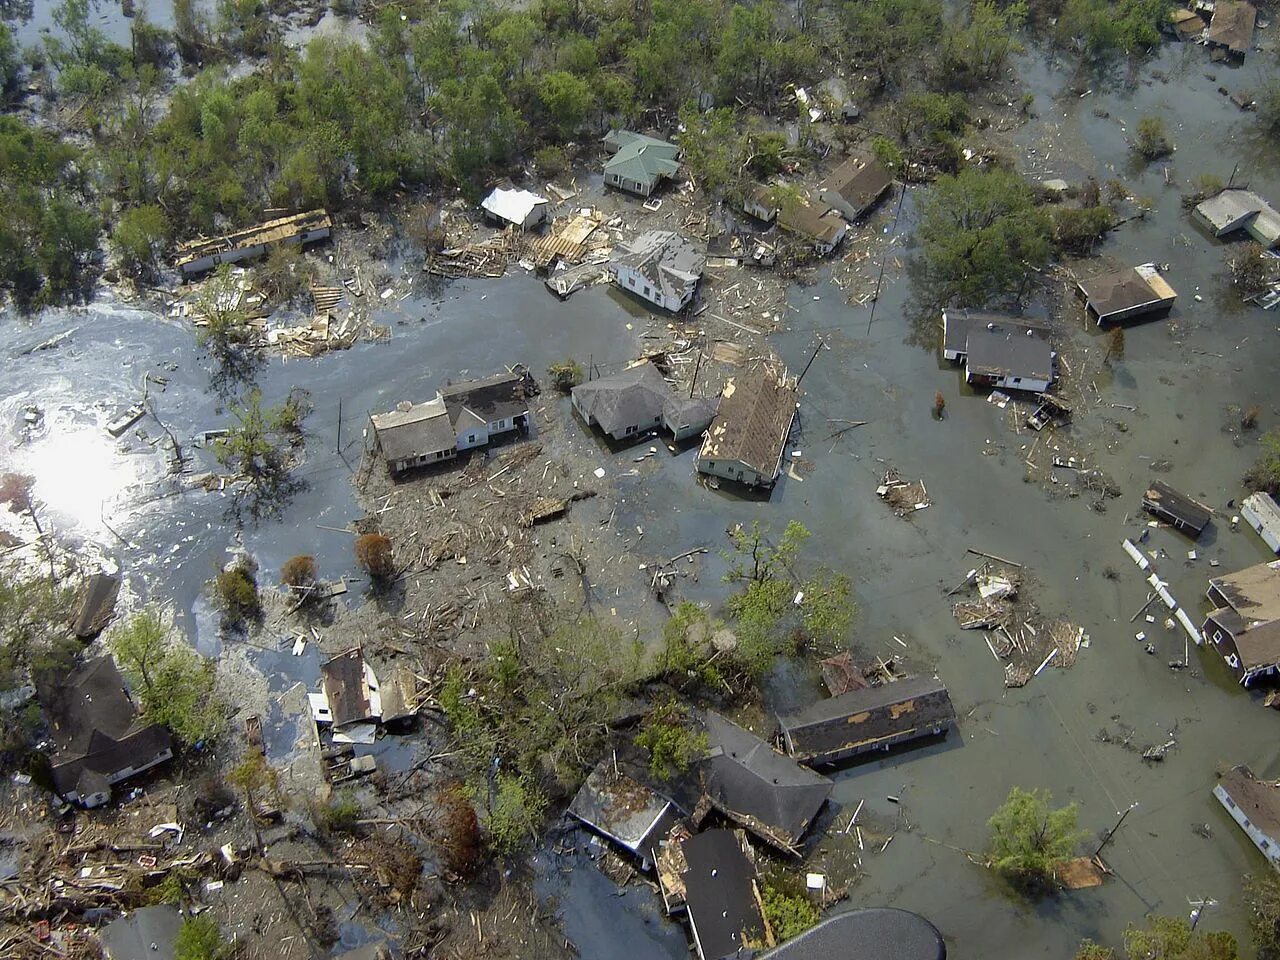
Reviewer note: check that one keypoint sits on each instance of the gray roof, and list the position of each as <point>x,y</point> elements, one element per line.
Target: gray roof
<point>1162,499</point>
<point>419,430</point>
<point>624,810</point>
<point>638,394</point>
<point>144,934</point>
<point>1008,352</point>
<point>1229,209</point>
<point>664,258</point>
<point>752,423</point>
<point>719,896</point>
<point>502,396</point>
<point>882,933</point>
<point>97,604</point>
<point>1257,799</point>
<point>750,782</point>
<point>958,321</point>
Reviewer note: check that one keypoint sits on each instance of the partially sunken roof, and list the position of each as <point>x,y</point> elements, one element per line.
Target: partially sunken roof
<point>416,430</point>
<point>344,685</point>
<point>1132,287</point>
<point>750,782</point>
<point>147,932</point>
<point>815,223</point>
<point>1229,209</point>
<point>1189,511</point>
<point>664,258</point>
<point>1008,352</point>
<point>624,810</point>
<point>958,321</point>
<point>1257,799</point>
<point>859,182</point>
<point>1254,592</point>
<point>499,397</point>
<point>1232,25</point>
<point>514,206</point>
<point>883,933</point>
<point>636,395</point>
<point>752,424</point>
<point>1259,646</point>
<point>719,895</point>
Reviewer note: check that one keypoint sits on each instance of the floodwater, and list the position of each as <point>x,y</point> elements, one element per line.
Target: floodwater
<point>1043,735</point>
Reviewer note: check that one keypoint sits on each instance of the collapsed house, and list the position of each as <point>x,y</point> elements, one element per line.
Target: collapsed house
<point>1262,513</point>
<point>628,404</point>
<point>1231,29</point>
<point>1245,622</point>
<point>625,811</point>
<point>874,718</point>
<point>998,350</point>
<point>855,187</point>
<point>197,256</point>
<point>721,898</point>
<point>1233,210</point>
<point>661,266</point>
<point>98,737</point>
<point>746,440</point>
<point>1176,509</point>
<point>1126,295</point>
<point>353,702</point>
<point>821,229</point>
<point>518,208</point>
<point>757,787</point>
<point>879,933</point>
<point>639,163</point>
<point>463,415</point>
<point>1255,805</point>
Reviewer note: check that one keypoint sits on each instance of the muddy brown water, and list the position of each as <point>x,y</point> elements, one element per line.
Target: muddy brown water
<point>1042,735</point>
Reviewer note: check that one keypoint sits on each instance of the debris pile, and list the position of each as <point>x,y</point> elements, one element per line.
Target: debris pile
<point>904,496</point>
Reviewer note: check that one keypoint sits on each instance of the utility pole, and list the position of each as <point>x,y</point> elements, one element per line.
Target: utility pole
<point>696,367</point>
<point>338,448</point>
<point>1112,832</point>
<point>821,344</point>
<point>1234,170</point>
<point>1197,909</point>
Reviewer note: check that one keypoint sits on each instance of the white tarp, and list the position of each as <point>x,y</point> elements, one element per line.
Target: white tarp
<point>514,206</point>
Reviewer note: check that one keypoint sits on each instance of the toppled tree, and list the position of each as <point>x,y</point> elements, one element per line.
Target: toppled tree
<point>565,375</point>
<point>253,775</point>
<point>1171,938</point>
<point>455,828</point>
<point>174,684</point>
<point>514,814</point>
<point>199,938</point>
<point>258,447</point>
<point>1029,838</point>
<point>1264,475</point>
<point>375,555</point>
<point>669,737</point>
<point>1151,141</point>
<point>299,571</point>
<point>1249,270</point>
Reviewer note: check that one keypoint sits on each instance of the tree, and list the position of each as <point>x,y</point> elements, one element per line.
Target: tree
<point>1268,105</point>
<point>566,374</point>
<point>515,812</point>
<point>299,571</point>
<point>141,644</point>
<point>199,938</point>
<point>1100,28</point>
<point>137,238</point>
<point>226,334</point>
<point>981,233</point>
<point>1264,475</point>
<point>10,61</point>
<point>712,148</point>
<point>374,554</point>
<point>1151,141</point>
<point>1262,896</point>
<point>1093,951</point>
<point>237,591</point>
<point>1029,839</point>
<point>671,741</point>
<point>1171,938</point>
<point>257,445</point>
<point>1078,231</point>
<point>892,36</point>
<point>787,906</point>
<point>253,775</point>
<point>978,51</point>
<point>567,99</point>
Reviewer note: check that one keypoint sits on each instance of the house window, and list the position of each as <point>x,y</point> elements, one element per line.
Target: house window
<point>1217,636</point>
<point>1234,661</point>
<point>646,290</point>
<point>502,424</point>
<point>631,430</point>
<point>471,438</point>
<point>631,281</point>
<point>1017,379</point>
<point>1230,803</point>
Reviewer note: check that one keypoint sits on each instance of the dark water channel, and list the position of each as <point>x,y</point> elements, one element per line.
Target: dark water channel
<point>170,541</point>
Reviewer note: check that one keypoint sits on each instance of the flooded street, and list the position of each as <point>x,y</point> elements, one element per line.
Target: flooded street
<point>1181,375</point>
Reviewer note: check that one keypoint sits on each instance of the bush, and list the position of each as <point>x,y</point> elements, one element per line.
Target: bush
<point>1264,475</point>
<point>238,592</point>
<point>299,571</point>
<point>339,815</point>
<point>1029,839</point>
<point>374,554</point>
<point>515,814</point>
<point>457,832</point>
<point>787,906</point>
<point>551,161</point>
<point>566,374</point>
<point>1151,141</point>
<point>1078,231</point>
<point>670,740</point>
<point>199,939</point>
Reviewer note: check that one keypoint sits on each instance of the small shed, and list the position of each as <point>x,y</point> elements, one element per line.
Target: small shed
<point>1126,295</point>
<point>875,718</point>
<point>1176,509</point>
<point>624,810</point>
<point>518,207</point>
<point>1262,513</point>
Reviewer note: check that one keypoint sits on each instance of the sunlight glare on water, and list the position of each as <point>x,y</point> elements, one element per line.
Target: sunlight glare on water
<point>80,475</point>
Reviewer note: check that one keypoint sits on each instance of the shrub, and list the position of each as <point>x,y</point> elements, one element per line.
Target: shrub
<point>1029,839</point>
<point>1264,475</point>
<point>339,815</point>
<point>374,554</point>
<point>299,571</point>
<point>1152,142</point>
<point>787,906</point>
<point>514,814</point>
<point>566,374</point>
<point>669,739</point>
<point>238,592</point>
<point>199,939</point>
<point>551,161</point>
<point>1078,231</point>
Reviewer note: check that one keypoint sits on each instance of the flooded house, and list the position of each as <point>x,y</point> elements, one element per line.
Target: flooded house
<point>758,202</point>
<point>660,266</point>
<point>97,605</point>
<point>998,350</point>
<point>1255,805</point>
<point>754,785</point>
<point>873,718</point>
<point>1234,210</point>
<point>1127,294</point>
<point>721,899</point>
<point>624,810</point>
<point>1176,509</point>
<point>877,933</point>
<point>1262,513</point>
<point>855,187</point>
<point>197,256</point>
<point>1245,622</point>
<point>820,228</point>
<point>98,737</point>
<point>1231,29</point>
<point>638,163</point>
<point>480,410</point>
<point>414,435</point>
<point>147,932</point>
<point>627,405</point>
<point>518,208</point>
<point>748,436</point>
<point>350,689</point>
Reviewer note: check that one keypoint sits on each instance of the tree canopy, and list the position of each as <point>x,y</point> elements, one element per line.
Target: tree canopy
<point>1029,838</point>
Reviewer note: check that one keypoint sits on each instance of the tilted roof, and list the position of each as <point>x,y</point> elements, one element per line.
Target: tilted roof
<point>881,933</point>
<point>859,182</point>
<point>1254,592</point>
<point>421,429</point>
<point>345,687</point>
<point>667,260</point>
<point>816,223</point>
<point>1132,287</point>
<point>622,809</point>
<point>1232,25</point>
<point>1186,509</point>
<point>752,423</point>
<point>1257,799</point>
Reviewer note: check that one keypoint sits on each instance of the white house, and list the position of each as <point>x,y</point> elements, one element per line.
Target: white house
<point>414,435</point>
<point>518,207</point>
<point>660,266</point>
<point>1255,805</point>
<point>1263,514</point>
<point>758,202</point>
<point>748,436</point>
<point>481,410</point>
<point>997,350</point>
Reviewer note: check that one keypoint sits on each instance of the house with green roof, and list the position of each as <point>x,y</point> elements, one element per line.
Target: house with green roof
<point>638,163</point>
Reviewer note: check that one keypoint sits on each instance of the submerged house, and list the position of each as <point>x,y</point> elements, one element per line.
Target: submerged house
<point>746,440</point>
<point>1176,509</point>
<point>1255,805</point>
<point>721,898</point>
<point>873,718</point>
<point>855,187</point>
<point>414,434</point>
<point>820,228</point>
<point>1245,622</point>
<point>147,932</point>
<point>639,163</point>
<point>757,787</point>
<point>998,350</point>
<point>518,208</point>
<point>1231,29</point>
<point>1232,210</point>
<point>660,266</point>
<point>1262,513</point>
<point>627,405</point>
<point>625,811</point>
<point>483,409</point>
<point>1126,295</point>
<point>878,933</point>
<point>98,737</point>
<point>197,256</point>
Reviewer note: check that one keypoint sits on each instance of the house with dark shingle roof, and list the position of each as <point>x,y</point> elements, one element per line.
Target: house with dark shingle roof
<point>820,227</point>
<point>629,404</point>
<point>1245,622</point>
<point>1130,293</point>
<point>720,896</point>
<point>855,187</point>
<point>745,441</point>
<point>1255,805</point>
<point>486,408</point>
<point>98,737</point>
<point>880,933</point>
<point>414,435</point>
<point>639,163</point>
<point>998,350</point>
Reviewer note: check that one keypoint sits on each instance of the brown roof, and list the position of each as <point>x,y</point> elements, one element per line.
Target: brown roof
<point>1253,592</point>
<point>859,182</point>
<point>345,687</point>
<point>812,222</point>
<point>1259,646</point>
<point>1232,25</point>
<point>1257,799</point>
<point>1117,292</point>
<point>752,424</point>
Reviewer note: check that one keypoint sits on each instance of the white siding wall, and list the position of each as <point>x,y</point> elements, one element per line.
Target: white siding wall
<point>1269,846</point>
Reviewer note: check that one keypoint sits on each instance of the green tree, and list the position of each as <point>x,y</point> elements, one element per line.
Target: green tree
<point>712,148</point>
<point>567,99</point>
<point>1171,938</point>
<point>1152,142</point>
<point>481,125</point>
<point>1093,951</point>
<point>515,813</point>
<point>1029,838</point>
<point>1078,231</point>
<point>672,742</point>
<point>1264,475</point>
<point>978,50</point>
<point>787,906</point>
<point>1262,896</point>
<point>199,938</point>
<point>257,448</point>
<point>138,236</point>
<point>10,61</point>
<point>981,233</point>
<point>892,36</point>
<point>1098,29</point>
